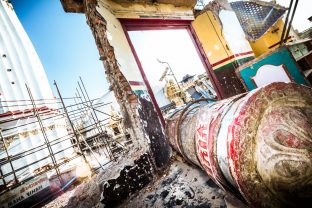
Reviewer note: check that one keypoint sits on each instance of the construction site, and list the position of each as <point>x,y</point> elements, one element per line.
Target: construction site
<point>209,105</point>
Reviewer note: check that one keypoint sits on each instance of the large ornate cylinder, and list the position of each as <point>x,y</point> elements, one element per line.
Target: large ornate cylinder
<point>257,146</point>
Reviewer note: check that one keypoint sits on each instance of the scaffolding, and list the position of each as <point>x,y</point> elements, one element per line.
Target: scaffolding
<point>87,138</point>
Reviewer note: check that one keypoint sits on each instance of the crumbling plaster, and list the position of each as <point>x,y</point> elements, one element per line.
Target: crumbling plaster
<point>77,6</point>
<point>118,83</point>
<point>145,10</point>
<point>117,39</point>
<point>117,59</point>
<point>188,3</point>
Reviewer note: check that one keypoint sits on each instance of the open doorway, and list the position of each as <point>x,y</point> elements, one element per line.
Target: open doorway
<point>174,72</point>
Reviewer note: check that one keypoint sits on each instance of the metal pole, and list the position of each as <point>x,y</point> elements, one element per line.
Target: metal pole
<point>77,104</point>
<point>70,123</point>
<point>84,107</point>
<point>291,19</point>
<point>44,134</point>
<point>173,75</point>
<point>286,22</point>
<point>88,144</point>
<point>9,158</point>
<point>3,180</point>
<point>96,119</point>
<point>164,62</point>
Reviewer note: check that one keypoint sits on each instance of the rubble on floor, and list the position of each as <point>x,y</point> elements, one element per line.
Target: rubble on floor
<point>182,186</point>
<point>112,185</point>
<point>86,193</point>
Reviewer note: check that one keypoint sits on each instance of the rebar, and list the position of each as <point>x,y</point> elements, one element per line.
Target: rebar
<point>8,157</point>
<point>44,134</point>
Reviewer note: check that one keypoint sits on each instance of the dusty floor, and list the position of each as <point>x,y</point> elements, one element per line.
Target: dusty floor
<point>182,186</point>
<point>75,193</point>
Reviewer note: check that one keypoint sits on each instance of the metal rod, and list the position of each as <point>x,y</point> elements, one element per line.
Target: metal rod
<point>83,106</point>
<point>22,154</point>
<point>286,22</point>
<point>3,178</point>
<point>36,161</point>
<point>59,114</point>
<point>291,20</point>
<point>70,123</point>
<point>8,156</point>
<point>96,118</point>
<point>12,101</point>
<point>44,134</point>
<point>100,133</point>
<point>94,109</point>
<point>79,106</point>
<point>87,145</point>
<point>22,105</point>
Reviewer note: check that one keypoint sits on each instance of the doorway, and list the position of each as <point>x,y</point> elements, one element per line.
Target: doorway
<point>173,68</point>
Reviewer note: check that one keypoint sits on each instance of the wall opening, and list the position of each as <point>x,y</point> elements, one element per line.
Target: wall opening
<point>171,65</point>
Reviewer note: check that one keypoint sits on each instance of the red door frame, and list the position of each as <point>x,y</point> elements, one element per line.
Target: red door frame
<point>159,24</point>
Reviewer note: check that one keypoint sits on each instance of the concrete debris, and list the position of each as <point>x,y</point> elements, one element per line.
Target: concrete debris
<point>83,195</point>
<point>182,186</point>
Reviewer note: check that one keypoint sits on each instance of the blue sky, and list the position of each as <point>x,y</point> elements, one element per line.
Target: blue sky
<point>65,45</point>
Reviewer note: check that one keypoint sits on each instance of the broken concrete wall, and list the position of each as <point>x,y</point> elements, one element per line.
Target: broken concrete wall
<point>147,9</point>
<point>124,65</point>
<point>146,124</point>
<point>118,83</point>
<point>117,39</point>
<point>131,179</point>
<point>151,151</point>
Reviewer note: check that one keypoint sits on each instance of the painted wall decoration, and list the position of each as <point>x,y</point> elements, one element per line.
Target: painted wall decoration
<point>278,65</point>
<point>19,194</point>
<point>268,74</point>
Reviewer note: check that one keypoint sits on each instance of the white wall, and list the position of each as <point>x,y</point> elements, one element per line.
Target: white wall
<point>18,54</point>
<point>22,59</point>
<point>111,11</point>
<point>233,32</point>
<point>119,42</point>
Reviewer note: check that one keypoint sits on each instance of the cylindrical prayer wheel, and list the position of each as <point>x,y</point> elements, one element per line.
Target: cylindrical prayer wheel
<point>257,145</point>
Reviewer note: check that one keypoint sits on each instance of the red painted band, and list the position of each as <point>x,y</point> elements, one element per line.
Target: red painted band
<point>18,112</point>
<point>231,57</point>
